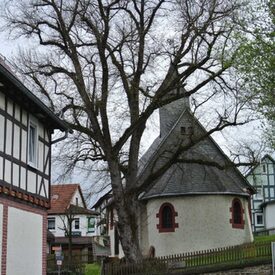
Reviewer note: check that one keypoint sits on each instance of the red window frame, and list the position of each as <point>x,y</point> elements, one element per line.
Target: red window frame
<point>159,215</point>
<point>233,210</point>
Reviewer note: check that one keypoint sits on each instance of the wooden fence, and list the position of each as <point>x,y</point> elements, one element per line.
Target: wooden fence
<point>265,232</point>
<point>77,265</point>
<point>169,264</point>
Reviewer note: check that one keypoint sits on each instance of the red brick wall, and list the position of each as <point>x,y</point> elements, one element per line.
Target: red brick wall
<point>29,208</point>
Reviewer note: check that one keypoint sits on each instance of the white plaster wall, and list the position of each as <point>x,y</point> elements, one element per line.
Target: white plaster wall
<point>2,101</point>
<point>2,123</point>
<point>83,226</point>
<point>203,224</point>
<point>111,234</point>
<point>77,196</point>
<point>270,216</point>
<point>1,168</point>
<point>112,242</point>
<point>1,234</point>
<point>24,243</point>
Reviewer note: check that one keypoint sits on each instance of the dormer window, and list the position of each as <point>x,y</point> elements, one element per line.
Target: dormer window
<point>186,130</point>
<point>33,143</point>
<point>76,201</point>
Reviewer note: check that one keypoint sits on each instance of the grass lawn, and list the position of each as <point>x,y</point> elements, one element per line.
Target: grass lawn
<point>259,239</point>
<point>92,269</point>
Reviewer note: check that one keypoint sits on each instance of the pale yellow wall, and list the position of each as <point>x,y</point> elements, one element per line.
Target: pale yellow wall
<point>24,243</point>
<point>203,224</point>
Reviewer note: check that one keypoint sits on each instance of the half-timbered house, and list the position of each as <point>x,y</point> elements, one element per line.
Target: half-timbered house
<point>26,125</point>
<point>262,177</point>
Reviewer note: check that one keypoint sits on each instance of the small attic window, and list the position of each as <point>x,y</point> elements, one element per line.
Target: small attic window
<point>186,130</point>
<point>182,130</point>
<point>76,201</point>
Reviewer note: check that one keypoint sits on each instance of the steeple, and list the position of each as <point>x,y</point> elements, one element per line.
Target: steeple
<point>169,113</point>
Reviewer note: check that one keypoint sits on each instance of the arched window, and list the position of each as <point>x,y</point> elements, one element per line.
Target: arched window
<point>237,211</point>
<point>166,216</point>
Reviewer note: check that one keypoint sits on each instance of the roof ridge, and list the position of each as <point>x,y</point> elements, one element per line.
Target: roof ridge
<point>161,143</point>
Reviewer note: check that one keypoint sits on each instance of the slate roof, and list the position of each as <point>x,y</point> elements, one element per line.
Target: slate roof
<point>191,178</point>
<point>61,197</point>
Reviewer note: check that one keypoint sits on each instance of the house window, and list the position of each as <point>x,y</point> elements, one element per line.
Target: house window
<point>91,224</point>
<point>166,216</point>
<point>237,219</point>
<point>259,219</point>
<point>76,201</point>
<point>51,223</point>
<point>76,223</point>
<point>32,143</point>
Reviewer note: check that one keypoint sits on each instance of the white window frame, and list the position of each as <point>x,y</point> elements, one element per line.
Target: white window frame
<point>34,155</point>
<point>52,219</point>
<point>75,221</point>
<point>259,214</point>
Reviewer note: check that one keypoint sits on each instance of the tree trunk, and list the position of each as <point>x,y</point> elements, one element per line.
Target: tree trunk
<point>70,243</point>
<point>128,230</point>
<point>126,207</point>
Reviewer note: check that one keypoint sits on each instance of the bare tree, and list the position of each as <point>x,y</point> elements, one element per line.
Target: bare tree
<point>105,66</point>
<point>67,221</point>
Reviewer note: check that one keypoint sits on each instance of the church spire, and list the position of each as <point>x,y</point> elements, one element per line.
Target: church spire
<point>169,113</point>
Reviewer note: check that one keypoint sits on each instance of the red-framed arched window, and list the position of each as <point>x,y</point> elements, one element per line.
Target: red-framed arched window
<point>166,216</point>
<point>237,214</point>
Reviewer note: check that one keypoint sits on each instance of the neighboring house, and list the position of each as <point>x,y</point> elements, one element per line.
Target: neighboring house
<point>26,125</point>
<point>102,240</point>
<point>262,177</point>
<point>101,206</point>
<point>67,202</point>
<point>193,205</point>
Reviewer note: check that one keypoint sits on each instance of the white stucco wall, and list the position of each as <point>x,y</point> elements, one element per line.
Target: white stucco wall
<point>79,198</point>
<point>24,242</point>
<point>269,216</point>
<point>83,226</point>
<point>204,223</point>
<point>111,234</point>
<point>1,234</point>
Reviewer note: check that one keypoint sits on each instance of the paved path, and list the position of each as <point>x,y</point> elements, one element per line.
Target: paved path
<point>255,270</point>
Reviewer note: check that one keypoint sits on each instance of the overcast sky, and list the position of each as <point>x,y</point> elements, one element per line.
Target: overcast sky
<point>9,49</point>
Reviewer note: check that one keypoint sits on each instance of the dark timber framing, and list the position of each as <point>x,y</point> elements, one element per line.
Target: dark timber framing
<point>262,177</point>
<point>19,179</point>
